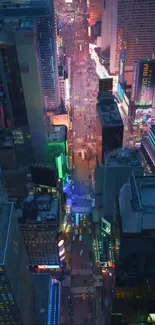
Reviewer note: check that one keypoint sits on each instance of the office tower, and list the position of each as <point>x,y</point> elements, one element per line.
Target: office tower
<point>16,293</point>
<point>129,24</point>
<point>42,14</point>
<point>118,167</point>
<point>134,247</point>
<point>31,28</point>
<point>47,296</point>
<point>40,219</point>
<point>23,104</point>
<point>109,125</point>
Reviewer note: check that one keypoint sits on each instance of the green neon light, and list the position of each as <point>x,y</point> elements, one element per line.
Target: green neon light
<point>56,144</point>
<point>66,148</point>
<point>59,164</point>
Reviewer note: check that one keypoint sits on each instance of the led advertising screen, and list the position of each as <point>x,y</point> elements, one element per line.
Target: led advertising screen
<point>61,120</point>
<point>121,67</point>
<point>145,84</point>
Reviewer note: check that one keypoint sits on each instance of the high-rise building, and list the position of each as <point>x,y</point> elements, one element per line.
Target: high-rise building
<point>29,71</point>
<point>128,24</point>
<point>148,150</point>
<point>94,11</point>
<point>41,221</point>
<point>23,104</point>
<point>47,296</point>
<point>42,14</point>
<point>16,292</point>
<point>109,125</point>
<point>118,167</point>
<point>134,239</point>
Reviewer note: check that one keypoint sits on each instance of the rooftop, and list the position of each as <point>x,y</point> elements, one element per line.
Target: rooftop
<point>15,182</point>
<point>47,300</point>
<point>5,220</point>
<point>123,157</point>
<point>41,284</point>
<point>137,204</point>
<point>41,208</point>
<point>108,110</point>
<point>58,133</point>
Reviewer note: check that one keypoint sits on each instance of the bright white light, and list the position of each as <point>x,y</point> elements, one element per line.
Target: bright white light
<point>62,258</point>
<point>61,242</point>
<point>62,252</point>
<point>44,267</point>
<point>110,274</point>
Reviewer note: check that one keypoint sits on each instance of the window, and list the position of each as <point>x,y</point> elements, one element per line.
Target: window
<point>10,296</point>
<point>3,295</point>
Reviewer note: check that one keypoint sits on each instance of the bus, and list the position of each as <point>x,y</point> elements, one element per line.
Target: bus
<point>77,220</point>
<point>82,154</point>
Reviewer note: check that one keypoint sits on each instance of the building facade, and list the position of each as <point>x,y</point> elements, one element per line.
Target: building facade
<point>128,24</point>
<point>118,167</point>
<point>94,11</point>
<point>40,223</point>
<point>109,125</point>
<point>134,238</point>
<point>33,39</point>
<point>16,293</point>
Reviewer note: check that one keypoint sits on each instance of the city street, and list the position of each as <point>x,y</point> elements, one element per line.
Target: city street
<point>82,297</point>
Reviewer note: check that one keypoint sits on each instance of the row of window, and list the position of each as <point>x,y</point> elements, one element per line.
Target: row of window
<point>122,295</point>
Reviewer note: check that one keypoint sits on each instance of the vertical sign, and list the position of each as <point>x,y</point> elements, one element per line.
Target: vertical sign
<point>135,68</point>
<point>153,110</point>
<point>122,66</point>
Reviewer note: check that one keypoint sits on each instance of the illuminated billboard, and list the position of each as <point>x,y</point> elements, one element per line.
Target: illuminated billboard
<point>122,66</point>
<point>145,84</point>
<point>61,120</point>
<point>153,110</point>
<point>134,79</point>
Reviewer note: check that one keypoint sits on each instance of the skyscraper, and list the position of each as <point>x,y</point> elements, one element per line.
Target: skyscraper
<point>42,14</point>
<point>16,293</point>
<point>129,24</point>
<point>28,41</point>
<point>23,107</point>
